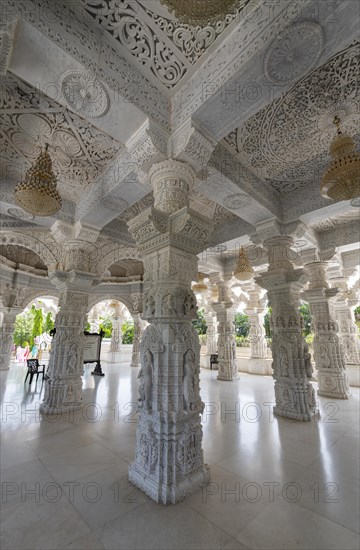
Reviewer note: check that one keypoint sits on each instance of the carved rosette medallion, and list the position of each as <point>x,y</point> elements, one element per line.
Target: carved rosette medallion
<point>294,52</point>
<point>84,94</point>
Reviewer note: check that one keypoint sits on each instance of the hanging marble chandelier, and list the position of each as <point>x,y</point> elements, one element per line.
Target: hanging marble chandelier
<point>200,286</point>
<point>38,194</point>
<point>200,12</point>
<point>243,269</point>
<point>341,181</point>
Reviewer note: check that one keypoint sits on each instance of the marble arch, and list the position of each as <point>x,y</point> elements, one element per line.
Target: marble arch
<point>33,243</point>
<point>35,294</point>
<point>115,255</point>
<point>125,300</point>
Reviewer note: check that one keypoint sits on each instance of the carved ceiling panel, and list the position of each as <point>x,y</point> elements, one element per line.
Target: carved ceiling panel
<point>80,152</point>
<point>286,144</point>
<point>164,48</point>
<point>340,219</point>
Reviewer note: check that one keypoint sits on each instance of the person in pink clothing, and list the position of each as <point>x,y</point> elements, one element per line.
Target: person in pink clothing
<point>26,354</point>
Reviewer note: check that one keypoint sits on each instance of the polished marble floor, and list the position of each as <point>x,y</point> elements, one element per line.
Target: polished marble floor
<point>275,483</point>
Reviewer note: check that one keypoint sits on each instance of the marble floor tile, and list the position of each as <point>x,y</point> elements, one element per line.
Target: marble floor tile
<point>287,526</point>
<point>243,442</point>
<point>153,526</point>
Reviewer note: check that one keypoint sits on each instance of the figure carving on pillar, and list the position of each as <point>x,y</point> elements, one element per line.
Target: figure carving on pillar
<point>189,380</point>
<point>146,380</point>
<point>284,362</point>
<point>168,305</point>
<point>189,305</point>
<point>149,307</point>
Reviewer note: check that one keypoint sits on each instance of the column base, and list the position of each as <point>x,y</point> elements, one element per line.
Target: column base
<point>333,384</point>
<point>172,493</point>
<point>53,409</point>
<point>295,400</point>
<point>303,417</point>
<point>62,395</point>
<point>227,372</point>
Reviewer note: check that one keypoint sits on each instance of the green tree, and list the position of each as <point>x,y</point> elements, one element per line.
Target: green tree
<point>48,323</point>
<point>37,328</point>
<point>127,331</point>
<point>305,314</point>
<point>357,316</point>
<point>106,325</point>
<point>267,323</point>
<point>200,323</point>
<point>23,328</point>
<point>242,326</point>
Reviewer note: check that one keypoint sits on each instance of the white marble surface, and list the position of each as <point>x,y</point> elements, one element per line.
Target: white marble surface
<point>90,452</point>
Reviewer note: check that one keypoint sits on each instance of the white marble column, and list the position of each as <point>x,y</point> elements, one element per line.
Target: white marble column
<point>63,387</point>
<point>255,310</point>
<point>211,331</point>
<point>169,463</point>
<point>294,394</point>
<point>135,354</point>
<point>116,336</point>
<point>343,310</point>
<point>329,359</point>
<point>6,332</point>
<point>226,343</point>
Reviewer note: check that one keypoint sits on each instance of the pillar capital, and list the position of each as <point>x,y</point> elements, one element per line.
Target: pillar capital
<point>171,181</point>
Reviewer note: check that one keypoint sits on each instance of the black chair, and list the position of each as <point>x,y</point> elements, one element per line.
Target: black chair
<point>213,360</point>
<point>34,368</point>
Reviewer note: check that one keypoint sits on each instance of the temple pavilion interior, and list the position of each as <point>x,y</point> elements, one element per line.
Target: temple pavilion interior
<point>179,275</point>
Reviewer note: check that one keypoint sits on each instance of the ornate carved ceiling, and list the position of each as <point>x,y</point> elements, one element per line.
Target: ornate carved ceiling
<point>287,143</point>
<point>29,119</point>
<point>265,168</point>
<point>164,49</point>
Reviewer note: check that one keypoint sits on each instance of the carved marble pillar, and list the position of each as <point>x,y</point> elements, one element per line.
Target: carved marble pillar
<point>343,310</point>
<point>226,343</point>
<point>135,355</point>
<point>6,332</point>
<point>329,359</point>
<point>63,387</point>
<point>294,394</point>
<point>255,311</point>
<point>211,331</point>
<point>116,336</point>
<point>169,462</point>
<point>343,306</point>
